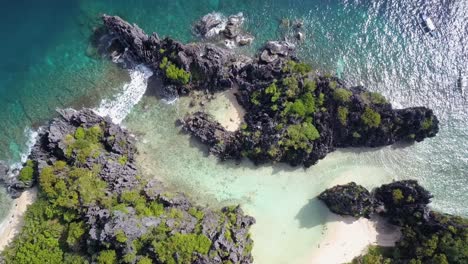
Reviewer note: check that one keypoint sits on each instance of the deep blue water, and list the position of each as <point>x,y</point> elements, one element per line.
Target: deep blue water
<point>46,62</point>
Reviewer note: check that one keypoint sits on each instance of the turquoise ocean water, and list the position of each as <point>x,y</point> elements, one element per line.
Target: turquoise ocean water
<point>46,62</point>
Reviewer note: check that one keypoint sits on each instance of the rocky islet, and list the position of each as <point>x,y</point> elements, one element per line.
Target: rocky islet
<point>102,209</point>
<point>427,236</point>
<point>293,114</point>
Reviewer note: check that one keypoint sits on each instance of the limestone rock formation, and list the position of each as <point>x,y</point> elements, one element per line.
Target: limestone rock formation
<point>85,166</point>
<point>294,114</point>
<point>349,199</point>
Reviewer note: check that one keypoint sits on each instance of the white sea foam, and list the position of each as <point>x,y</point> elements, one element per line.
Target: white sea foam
<point>170,101</point>
<point>120,106</point>
<point>216,30</point>
<point>31,136</point>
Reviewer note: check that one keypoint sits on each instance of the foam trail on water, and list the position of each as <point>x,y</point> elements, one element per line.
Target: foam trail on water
<point>31,136</point>
<point>119,107</point>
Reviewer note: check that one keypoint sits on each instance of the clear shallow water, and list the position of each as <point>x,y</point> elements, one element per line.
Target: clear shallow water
<point>46,63</point>
<point>290,220</point>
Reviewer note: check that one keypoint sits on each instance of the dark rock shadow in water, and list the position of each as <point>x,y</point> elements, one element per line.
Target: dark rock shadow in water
<point>312,214</point>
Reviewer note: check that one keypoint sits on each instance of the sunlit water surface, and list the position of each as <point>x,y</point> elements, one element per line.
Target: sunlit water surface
<point>47,63</point>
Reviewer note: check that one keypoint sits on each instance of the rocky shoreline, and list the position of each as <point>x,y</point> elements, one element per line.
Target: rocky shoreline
<point>90,188</point>
<point>293,114</point>
<point>427,236</point>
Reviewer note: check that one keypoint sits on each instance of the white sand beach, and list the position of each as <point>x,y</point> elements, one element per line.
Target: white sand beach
<point>347,238</point>
<point>227,111</point>
<point>15,218</point>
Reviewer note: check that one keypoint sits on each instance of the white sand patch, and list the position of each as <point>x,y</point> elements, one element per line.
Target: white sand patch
<point>15,218</point>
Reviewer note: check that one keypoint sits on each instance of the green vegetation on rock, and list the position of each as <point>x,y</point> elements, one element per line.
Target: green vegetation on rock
<point>427,123</point>
<point>300,136</point>
<point>342,95</point>
<point>27,172</point>
<point>371,118</point>
<point>173,72</point>
<point>374,98</point>
<point>297,67</point>
<point>87,214</point>
<point>183,245</point>
<point>343,115</point>
<point>86,143</point>
<point>397,195</point>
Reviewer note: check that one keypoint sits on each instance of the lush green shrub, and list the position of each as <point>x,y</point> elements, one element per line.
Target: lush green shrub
<point>296,108</point>
<point>80,133</point>
<point>254,98</point>
<point>74,259</point>
<point>182,244</point>
<point>123,160</point>
<point>132,197</point>
<point>375,98</point>
<point>310,86</point>
<point>333,85</point>
<point>356,135</point>
<point>297,67</point>
<point>301,107</point>
<point>164,63</point>
<point>120,236</point>
<point>343,115</point>
<point>320,99</point>
<point>38,240</point>
<point>374,255</point>
<point>273,90</point>
<point>75,231</point>
<point>292,86</point>
<point>427,123</point>
<point>173,72</point>
<point>309,103</point>
<point>300,136</point>
<point>370,117</point>
<point>198,214</point>
<point>177,74</point>
<point>145,260</point>
<point>273,151</point>
<point>342,95</point>
<point>107,257</point>
<point>86,143</point>
<point>397,195</point>
<point>27,172</point>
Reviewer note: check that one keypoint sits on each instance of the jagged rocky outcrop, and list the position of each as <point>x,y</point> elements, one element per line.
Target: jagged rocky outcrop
<point>223,143</point>
<point>209,67</point>
<point>427,236</point>
<point>401,201</point>
<point>228,30</point>
<point>349,199</point>
<point>93,161</point>
<point>294,114</point>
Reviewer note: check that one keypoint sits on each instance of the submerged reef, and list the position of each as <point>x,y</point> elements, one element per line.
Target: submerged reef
<point>427,236</point>
<point>95,207</point>
<point>293,114</point>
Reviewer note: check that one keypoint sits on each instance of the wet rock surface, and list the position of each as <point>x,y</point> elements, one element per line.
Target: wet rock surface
<point>229,31</point>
